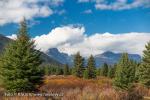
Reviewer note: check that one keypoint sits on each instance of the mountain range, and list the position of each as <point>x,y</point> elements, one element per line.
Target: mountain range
<point>55,57</point>
<point>106,57</point>
<point>112,58</point>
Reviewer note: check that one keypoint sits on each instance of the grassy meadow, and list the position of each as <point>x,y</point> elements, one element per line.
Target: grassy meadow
<point>73,88</point>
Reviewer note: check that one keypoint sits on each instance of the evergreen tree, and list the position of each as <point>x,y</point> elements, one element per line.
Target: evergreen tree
<point>47,70</point>
<point>79,65</point>
<point>104,70</point>
<point>125,73</point>
<point>98,71</point>
<point>137,71</point>
<point>86,74</point>
<point>111,71</point>
<point>20,62</point>
<point>72,71</point>
<point>59,71</point>
<point>53,70</point>
<point>66,69</point>
<point>91,67</point>
<point>144,69</point>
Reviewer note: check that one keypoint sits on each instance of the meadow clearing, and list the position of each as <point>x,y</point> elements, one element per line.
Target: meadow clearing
<point>73,88</point>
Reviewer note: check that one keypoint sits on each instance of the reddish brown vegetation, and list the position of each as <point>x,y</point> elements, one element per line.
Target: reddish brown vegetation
<point>74,88</point>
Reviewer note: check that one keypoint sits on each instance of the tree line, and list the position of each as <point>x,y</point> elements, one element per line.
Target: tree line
<point>21,70</point>
<point>124,73</point>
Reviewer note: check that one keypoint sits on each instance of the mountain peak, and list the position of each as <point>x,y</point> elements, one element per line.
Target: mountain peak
<point>108,52</point>
<point>59,56</point>
<point>53,50</point>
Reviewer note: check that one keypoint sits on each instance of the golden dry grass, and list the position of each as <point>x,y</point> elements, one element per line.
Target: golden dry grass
<point>74,88</point>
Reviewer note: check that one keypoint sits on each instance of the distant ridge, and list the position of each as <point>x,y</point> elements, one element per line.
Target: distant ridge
<point>61,57</point>
<point>112,58</point>
<point>3,42</point>
<point>106,57</point>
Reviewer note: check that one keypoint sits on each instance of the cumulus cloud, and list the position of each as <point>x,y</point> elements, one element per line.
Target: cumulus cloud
<point>12,11</point>
<point>99,43</point>
<point>70,39</point>
<point>89,11</point>
<point>13,36</point>
<point>60,36</point>
<point>122,5</point>
<point>60,12</point>
<point>56,2</point>
<point>81,1</point>
<point>118,4</point>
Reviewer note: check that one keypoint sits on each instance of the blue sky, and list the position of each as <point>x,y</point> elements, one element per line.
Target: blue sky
<point>105,17</point>
<point>136,19</point>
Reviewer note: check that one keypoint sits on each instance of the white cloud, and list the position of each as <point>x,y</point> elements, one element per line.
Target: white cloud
<point>81,1</point>
<point>12,11</point>
<point>128,42</point>
<point>56,2</point>
<point>60,36</point>
<point>122,5</point>
<point>60,12</point>
<point>13,36</point>
<point>118,4</point>
<point>69,39</point>
<point>89,11</point>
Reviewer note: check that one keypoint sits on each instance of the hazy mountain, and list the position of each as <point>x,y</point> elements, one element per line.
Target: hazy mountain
<point>46,59</point>
<point>3,41</point>
<point>106,57</point>
<point>60,57</point>
<point>112,58</point>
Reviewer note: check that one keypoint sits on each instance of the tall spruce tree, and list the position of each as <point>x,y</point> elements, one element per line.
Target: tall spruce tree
<point>125,73</point>
<point>91,67</point>
<point>98,71</point>
<point>59,71</point>
<point>111,72</point>
<point>46,70</point>
<point>66,69</point>
<point>104,70</point>
<point>144,69</point>
<point>86,74</point>
<point>20,62</point>
<point>78,65</point>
